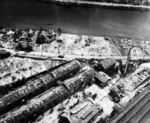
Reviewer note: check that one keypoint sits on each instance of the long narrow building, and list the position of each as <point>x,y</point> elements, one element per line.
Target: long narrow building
<point>48,99</point>
<point>37,85</point>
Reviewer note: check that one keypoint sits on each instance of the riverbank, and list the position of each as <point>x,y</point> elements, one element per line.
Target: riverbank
<point>72,44</point>
<point>101,4</point>
<point>41,44</point>
<point>84,20</point>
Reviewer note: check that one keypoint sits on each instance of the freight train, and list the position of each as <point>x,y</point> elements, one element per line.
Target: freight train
<point>48,99</point>
<point>37,85</point>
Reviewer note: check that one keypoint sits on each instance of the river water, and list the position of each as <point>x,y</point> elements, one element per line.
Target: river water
<point>77,20</point>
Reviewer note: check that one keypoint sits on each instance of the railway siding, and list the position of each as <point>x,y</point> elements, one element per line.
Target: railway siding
<point>135,111</point>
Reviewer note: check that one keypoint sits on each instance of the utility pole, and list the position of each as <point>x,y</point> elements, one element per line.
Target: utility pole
<point>127,62</point>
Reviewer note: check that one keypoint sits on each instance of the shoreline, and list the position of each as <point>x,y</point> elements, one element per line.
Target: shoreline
<point>100,4</point>
<point>73,46</point>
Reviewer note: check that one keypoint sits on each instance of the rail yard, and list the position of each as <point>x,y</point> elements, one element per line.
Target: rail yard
<point>53,77</point>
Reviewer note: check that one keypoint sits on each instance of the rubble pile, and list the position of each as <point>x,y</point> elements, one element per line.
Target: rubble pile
<point>88,45</point>
<point>14,69</point>
<point>48,99</point>
<point>25,40</point>
<point>109,99</point>
<point>48,41</point>
<point>141,75</point>
<point>84,91</point>
<point>139,48</point>
<point>135,83</point>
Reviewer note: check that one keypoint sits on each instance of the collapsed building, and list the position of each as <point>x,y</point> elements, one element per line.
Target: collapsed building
<point>101,87</point>
<point>48,99</point>
<point>37,85</point>
<point>40,93</point>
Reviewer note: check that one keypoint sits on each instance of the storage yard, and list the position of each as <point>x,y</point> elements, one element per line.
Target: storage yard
<point>54,77</point>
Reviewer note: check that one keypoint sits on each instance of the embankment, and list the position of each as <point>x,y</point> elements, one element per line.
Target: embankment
<point>100,4</point>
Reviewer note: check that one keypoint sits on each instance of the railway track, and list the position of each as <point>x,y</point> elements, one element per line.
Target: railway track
<point>137,112</point>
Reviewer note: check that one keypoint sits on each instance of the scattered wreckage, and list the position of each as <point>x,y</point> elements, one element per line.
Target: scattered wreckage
<point>52,83</point>
<point>62,89</point>
<point>37,85</point>
<point>48,99</point>
<point>116,80</point>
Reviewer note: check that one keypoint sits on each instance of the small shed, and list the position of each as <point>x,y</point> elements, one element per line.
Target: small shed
<point>102,79</point>
<point>107,64</point>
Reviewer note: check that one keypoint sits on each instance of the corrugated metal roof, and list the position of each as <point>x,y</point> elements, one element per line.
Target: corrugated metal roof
<point>102,77</point>
<point>107,63</point>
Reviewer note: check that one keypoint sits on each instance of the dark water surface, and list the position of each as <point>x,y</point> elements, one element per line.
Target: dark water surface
<point>78,20</point>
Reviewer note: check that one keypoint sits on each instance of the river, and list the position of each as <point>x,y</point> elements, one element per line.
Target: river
<point>76,20</point>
